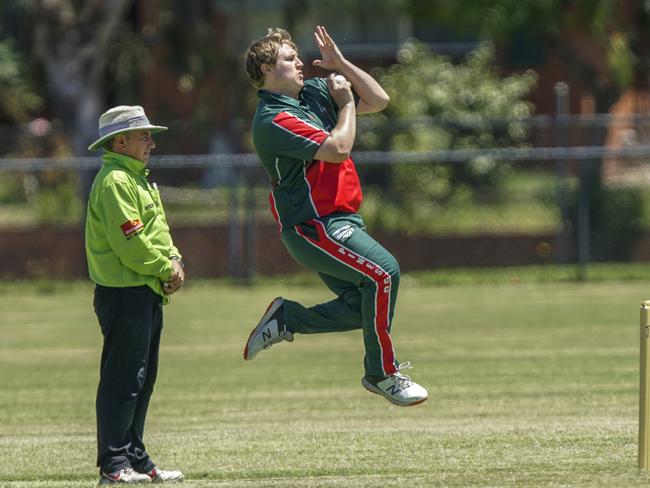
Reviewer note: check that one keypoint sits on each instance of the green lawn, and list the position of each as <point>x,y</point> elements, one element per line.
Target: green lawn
<point>531,384</point>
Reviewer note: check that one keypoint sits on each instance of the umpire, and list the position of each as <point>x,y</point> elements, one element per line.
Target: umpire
<point>133,261</point>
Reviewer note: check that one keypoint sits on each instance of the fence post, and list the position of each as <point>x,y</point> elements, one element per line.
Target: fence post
<point>561,138</point>
<point>234,224</point>
<point>584,221</point>
<point>250,230</point>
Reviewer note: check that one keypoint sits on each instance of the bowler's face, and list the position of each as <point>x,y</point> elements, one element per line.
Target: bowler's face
<point>138,145</point>
<point>286,76</point>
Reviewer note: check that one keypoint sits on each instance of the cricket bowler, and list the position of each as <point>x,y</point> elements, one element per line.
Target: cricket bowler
<point>304,131</point>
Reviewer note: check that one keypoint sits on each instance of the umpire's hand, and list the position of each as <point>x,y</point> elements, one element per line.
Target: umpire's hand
<point>176,280</point>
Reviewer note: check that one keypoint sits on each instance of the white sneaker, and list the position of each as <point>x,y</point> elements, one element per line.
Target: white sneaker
<point>397,388</point>
<point>124,475</point>
<point>269,331</point>
<point>161,476</point>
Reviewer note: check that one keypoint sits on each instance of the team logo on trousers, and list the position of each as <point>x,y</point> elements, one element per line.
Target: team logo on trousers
<point>378,271</point>
<point>343,234</point>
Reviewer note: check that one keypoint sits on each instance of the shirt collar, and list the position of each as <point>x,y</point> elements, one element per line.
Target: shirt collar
<point>124,161</point>
<point>268,95</point>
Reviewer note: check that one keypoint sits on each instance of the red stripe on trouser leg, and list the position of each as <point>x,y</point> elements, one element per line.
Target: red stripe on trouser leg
<point>379,276</point>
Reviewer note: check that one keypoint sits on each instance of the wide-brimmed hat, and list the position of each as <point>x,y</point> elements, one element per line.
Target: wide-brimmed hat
<point>120,119</point>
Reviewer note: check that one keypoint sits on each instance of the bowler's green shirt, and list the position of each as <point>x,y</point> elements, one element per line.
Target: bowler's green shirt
<point>127,237</point>
<point>287,133</point>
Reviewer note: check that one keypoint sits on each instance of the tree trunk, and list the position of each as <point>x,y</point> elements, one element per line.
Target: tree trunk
<point>73,49</point>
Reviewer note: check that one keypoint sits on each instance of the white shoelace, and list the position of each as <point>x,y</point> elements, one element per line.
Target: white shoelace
<point>403,380</point>
<point>404,365</point>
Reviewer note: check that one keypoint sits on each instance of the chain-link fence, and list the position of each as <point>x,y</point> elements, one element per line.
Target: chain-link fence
<point>557,200</point>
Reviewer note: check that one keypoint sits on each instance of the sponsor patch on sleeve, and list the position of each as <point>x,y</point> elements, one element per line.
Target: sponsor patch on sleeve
<point>131,226</point>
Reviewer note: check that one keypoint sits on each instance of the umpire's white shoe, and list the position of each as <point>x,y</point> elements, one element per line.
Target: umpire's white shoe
<point>269,331</point>
<point>397,388</point>
<point>124,475</point>
<point>162,476</point>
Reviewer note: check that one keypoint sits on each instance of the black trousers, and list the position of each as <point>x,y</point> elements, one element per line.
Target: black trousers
<point>131,321</point>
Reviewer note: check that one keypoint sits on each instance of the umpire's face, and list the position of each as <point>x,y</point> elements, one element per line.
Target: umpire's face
<point>136,144</point>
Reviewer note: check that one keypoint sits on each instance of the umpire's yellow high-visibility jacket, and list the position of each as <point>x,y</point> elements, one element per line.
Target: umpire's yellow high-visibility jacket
<point>127,236</point>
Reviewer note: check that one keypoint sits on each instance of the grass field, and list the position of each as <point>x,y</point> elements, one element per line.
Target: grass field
<point>531,384</point>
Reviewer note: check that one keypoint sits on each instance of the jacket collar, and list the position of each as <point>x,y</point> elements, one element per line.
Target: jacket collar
<point>126,162</point>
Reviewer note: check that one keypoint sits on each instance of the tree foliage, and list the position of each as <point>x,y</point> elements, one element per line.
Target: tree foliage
<point>70,40</point>
<point>17,100</point>
<point>437,105</point>
<point>600,46</point>
<point>469,97</point>
<point>603,44</point>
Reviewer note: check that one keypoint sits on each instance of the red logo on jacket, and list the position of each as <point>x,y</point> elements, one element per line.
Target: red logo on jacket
<point>131,226</point>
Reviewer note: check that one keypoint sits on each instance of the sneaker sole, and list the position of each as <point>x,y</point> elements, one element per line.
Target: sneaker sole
<point>273,306</point>
<point>107,481</point>
<point>373,389</point>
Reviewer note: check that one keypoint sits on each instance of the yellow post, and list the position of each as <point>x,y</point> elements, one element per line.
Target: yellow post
<point>644,399</point>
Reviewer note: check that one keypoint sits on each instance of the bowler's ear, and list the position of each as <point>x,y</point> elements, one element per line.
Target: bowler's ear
<point>266,68</point>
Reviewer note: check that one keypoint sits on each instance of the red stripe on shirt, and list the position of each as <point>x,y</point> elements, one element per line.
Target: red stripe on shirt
<point>382,281</point>
<point>334,187</point>
<point>300,128</point>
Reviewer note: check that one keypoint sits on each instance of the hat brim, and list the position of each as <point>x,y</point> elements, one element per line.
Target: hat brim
<point>100,142</point>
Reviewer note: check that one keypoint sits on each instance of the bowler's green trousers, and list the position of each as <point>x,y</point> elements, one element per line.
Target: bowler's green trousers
<point>363,275</point>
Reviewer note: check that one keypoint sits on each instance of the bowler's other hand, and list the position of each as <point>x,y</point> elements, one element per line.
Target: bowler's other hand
<point>340,89</point>
<point>332,57</point>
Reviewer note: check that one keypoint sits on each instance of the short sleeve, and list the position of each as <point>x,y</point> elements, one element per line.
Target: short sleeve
<point>292,136</point>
